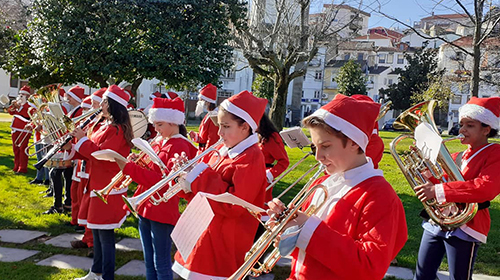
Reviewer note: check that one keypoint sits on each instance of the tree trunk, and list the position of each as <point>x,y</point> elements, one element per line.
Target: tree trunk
<point>477,47</point>
<point>278,107</point>
<point>297,96</point>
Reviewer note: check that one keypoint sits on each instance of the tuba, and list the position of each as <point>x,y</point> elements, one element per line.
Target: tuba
<point>413,163</point>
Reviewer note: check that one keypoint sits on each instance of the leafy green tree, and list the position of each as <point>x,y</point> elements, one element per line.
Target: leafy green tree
<point>263,87</point>
<point>414,79</point>
<point>180,42</point>
<point>439,89</point>
<point>351,79</point>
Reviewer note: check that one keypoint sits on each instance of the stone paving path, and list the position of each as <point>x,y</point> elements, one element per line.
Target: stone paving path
<point>134,267</point>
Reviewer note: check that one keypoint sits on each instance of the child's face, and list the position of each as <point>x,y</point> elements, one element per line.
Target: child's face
<point>331,152</point>
<point>230,130</point>
<point>473,131</point>
<point>165,129</point>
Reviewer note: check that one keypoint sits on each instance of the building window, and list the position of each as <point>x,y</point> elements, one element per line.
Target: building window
<point>302,94</point>
<point>228,74</point>
<point>401,59</point>
<point>317,94</point>
<point>347,56</point>
<point>390,58</point>
<point>381,58</point>
<point>389,81</point>
<point>360,56</point>
<point>224,93</point>
<point>318,75</point>
<point>456,99</point>
<point>13,81</point>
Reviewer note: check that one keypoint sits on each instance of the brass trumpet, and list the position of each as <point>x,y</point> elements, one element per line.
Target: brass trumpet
<point>134,202</point>
<point>414,163</point>
<point>251,266</point>
<point>121,180</point>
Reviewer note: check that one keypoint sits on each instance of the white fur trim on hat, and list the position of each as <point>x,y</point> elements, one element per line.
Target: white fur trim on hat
<point>166,115</point>
<point>116,98</point>
<point>24,92</point>
<point>74,96</point>
<point>203,97</point>
<point>347,128</point>
<point>86,106</point>
<point>479,113</point>
<point>96,98</point>
<point>233,109</point>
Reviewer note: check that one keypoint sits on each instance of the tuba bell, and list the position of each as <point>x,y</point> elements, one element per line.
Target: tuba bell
<point>413,163</point>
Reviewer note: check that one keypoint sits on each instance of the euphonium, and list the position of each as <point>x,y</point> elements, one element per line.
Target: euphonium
<point>267,238</point>
<point>121,180</point>
<point>134,202</point>
<point>448,215</point>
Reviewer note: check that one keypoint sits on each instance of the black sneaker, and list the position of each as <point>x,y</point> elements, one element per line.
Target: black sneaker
<point>46,182</point>
<point>36,182</point>
<point>49,194</point>
<point>53,210</point>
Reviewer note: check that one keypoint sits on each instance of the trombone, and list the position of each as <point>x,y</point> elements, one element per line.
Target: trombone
<point>133,203</point>
<point>121,180</point>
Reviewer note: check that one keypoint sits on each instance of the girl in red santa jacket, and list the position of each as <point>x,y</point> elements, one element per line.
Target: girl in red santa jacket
<point>361,226</point>
<point>208,132</point>
<point>221,248</point>
<point>479,164</point>
<point>115,134</point>
<point>157,222</point>
<point>275,156</point>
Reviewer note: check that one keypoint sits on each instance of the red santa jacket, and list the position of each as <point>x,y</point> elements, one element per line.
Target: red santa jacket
<point>375,148</point>
<point>208,133</point>
<point>480,170</point>
<point>276,159</point>
<point>358,237</point>
<point>99,214</point>
<point>20,118</point>
<point>221,249</point>
<point>168,212</point>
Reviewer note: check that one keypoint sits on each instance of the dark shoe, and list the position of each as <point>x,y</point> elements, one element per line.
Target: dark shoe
<point>90,254</point>
<point>36,181</point>
<point>79,229</point>
<point>53,210</point>
<point>78,244</point>
<point>46,182</point>
<point>49,194</point>
<point>67,208</point>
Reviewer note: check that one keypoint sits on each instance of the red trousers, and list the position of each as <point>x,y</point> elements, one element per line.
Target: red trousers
<point>20,156</point>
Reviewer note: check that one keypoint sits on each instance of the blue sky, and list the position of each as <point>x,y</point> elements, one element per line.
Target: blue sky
<point>407,11</point>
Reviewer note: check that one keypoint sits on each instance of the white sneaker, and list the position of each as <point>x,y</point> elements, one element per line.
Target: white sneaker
<point>90,276</point>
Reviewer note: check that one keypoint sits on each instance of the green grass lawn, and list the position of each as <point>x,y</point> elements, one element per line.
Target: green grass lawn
<point>21,205</point>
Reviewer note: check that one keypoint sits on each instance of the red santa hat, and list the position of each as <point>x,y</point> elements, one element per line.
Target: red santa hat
<point>354,118</point>
<point>155,94</point>
<point>61,92</point>
<point>167,110</point>
<point>87,103</point>
<point>208,93</point>
<point>97,95</point>
<point>25,90</point>
<point>77,92</point>
<point>171,95</point>
<point>117,94</point>
<point>485,110</point>
<point>246,106</point>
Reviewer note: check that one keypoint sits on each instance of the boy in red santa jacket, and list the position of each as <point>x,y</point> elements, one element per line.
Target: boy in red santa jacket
<point>221,249</point>
<point>20,133</point>
<point>208,132</point>
<point>479,164</point>
<point>361,226</point>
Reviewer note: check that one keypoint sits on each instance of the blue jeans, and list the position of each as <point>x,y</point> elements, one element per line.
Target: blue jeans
<point>42,173</point>
<point>156,244</point>
<point>104,253</point>
<point>461,256</point>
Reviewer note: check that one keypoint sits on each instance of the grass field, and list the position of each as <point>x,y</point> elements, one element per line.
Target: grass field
<point>21,205</point>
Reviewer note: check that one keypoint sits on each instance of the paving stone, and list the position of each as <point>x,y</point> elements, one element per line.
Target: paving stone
<point>132,268</point>
<point>67,262</point>
<point>19,236</point>
<point>399,272</point>
<point>15,255</point>
<point>64,240</point>
<point>129,244</point>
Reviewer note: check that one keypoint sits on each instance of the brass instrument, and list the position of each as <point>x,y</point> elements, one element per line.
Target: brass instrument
<point>384,109</point>
<point>121,180</point>
<point>134,202</point>
<point>414,163</point>
<point>251,266</point>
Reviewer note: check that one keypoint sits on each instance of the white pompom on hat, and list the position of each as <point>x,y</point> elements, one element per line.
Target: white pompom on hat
<point>485,110</point>
<point>167,110</point>
<point>353,117</point>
